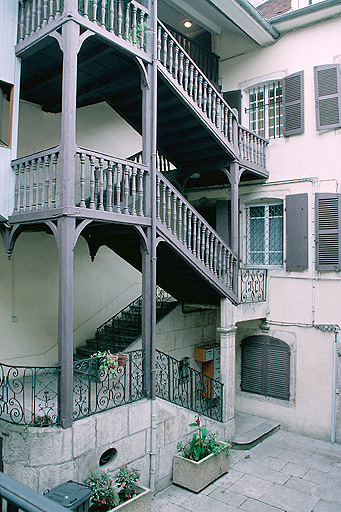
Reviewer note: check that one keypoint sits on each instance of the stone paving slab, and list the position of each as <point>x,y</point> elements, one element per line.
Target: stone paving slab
<point>285,473</point>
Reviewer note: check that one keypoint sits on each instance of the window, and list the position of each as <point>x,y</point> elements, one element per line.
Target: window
<point>264,235</point>
<point>6,105</point>
<point>265,110</point>
<point>266,367</point>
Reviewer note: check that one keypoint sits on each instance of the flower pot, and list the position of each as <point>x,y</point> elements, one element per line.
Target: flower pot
<point>141,502</point>
<point>122,359</point>
<point>197,475</point>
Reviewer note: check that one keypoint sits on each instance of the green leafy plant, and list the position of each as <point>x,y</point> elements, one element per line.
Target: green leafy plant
<point>104,496</point>
<point>126,478</point>
<point>108,362</point>
<point>203,443</point>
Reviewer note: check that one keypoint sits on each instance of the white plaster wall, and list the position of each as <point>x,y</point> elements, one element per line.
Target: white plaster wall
<point>29,293</point>
<point>312,153</point>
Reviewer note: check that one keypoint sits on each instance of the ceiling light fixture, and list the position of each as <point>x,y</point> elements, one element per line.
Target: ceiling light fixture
<point>188,23</point>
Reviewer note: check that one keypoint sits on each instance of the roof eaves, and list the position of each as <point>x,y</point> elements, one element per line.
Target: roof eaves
<point>252,11</point>
<point>282,22</point>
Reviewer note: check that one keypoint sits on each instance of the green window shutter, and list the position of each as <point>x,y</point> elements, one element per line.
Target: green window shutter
<point>328,96</point>
<point>266,367</point>
<point>293,111</point>
<point>296,210</point>
<point>252,366</point>
<point>278,369</point>
<point>328,231</point>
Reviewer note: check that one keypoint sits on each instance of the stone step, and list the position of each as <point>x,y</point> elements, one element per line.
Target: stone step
<point>255,435</point>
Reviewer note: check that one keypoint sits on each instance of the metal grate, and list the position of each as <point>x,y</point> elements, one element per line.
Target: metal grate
<point>265,110</point>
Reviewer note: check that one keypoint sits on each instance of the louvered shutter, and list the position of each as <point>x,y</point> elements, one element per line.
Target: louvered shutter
<point>328,96</point>
<point>296,210</point>
<point>252,366</point>
<point>278,369</point>
<point>328,231</point>
<point>293,112</point>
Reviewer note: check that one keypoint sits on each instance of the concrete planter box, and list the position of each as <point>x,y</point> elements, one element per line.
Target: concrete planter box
<point>142,502</point>
<point>197,475</point>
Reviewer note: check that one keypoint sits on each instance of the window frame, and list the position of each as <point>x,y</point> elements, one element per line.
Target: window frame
<point>265,204</point>
<point>265,85</point>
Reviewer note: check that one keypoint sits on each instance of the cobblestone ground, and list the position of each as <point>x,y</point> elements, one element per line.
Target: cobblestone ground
<point>285,473</point>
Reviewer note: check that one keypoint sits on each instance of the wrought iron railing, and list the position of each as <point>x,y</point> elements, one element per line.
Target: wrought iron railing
<point>252,285</point>
<point>94,390</point>
<point>182,385</point>
<point>29,394</point>
<point>15,496</point>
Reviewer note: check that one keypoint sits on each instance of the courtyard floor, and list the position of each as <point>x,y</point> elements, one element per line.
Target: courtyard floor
<point>285,473</point>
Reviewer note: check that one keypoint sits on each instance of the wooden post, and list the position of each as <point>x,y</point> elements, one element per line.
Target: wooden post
<point>70,44</point>
<point>234,177</point>
<point>66,229</point>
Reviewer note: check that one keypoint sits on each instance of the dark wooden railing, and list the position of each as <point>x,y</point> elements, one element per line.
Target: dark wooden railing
<point>193,233</point>
<point>207,60</point>
<point>15,497</point>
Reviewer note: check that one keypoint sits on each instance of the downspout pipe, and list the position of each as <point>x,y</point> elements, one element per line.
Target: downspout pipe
<point>336,391</point>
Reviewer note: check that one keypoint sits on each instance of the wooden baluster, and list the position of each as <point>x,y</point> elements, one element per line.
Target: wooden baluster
<point>33,17</point>
<point>94,10</point>
<point>92,183</point>
<point>228,270</point>
<point>251,147</point>
<point>57,7</point>
<point>111,16</point>
<point>203,230</point>
<point>21,20</point>
<point>126,189</point>
<point>54,179</point>
<point>211,252</point>
<point>176,62</point>
<point>244,145</point>
<point>191,80</point>
<point>143,31</point>
<point>204,99</point>
<point>141,174</point>
<point>175,200</point>
<point>22,186</point>
<point>198,238</point>
<point>101,185</point>
<point>165,49</point>
<point>127,21</point>
<point>16,188</point>
<point>209,103</point>
<point>180,221</point>
<point>86,9</point>
<point>184,234</point>
<point>194,247</point>
<point>163,203</point>
<point>159,42</point>
<point>189,230</point>
<point>109,187</point>
<point>51,16</point>
<point>230,128</point>
<point>47,181</point>
<point>45,10</point>
<point>119,18</point>
<point>225,115</point>
<point>207,248</point>
<point>170,60</point>
<point>28,18</point>
<point>133,191</point>
<point>134,24</point>
<point>35,184</point>
<point>118,188</point>
<point>158,198</point>
<point>186,75</point>
<point>40,184</point>
<point>103,13</point>
<point>169,211</point>
<point>258,151</point>
<point>40,13</point>
<point>195,90</point>
<point>218,118</point>
<point>181,68</point>
<point>224,265</point>
<point>215,256</point>
<point>219,259</point>
<point>200,91</point>
<point>82,180</point>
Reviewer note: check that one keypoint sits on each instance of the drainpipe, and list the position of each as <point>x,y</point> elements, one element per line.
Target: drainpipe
<point>336,391</point>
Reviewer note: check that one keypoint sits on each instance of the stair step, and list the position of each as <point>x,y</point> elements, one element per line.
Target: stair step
<point>256,435</point>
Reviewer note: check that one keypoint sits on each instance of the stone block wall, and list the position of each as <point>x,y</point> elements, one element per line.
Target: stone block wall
<point>45,457</point>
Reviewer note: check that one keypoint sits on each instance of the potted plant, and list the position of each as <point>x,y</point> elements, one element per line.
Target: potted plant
<point>121,493</point>
<point>108,362</point>
<point>201,460</point>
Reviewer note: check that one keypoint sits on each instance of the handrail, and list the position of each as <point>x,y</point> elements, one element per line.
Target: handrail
<point>194,233</point>
<point>18,496</point>
<point>182,385</point>
<point>162,162</point>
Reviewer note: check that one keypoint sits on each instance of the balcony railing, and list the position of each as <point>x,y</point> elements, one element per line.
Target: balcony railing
<point>102,182</point>
<point>126,19</point>
<point>252,285</point>
<point>180,384</point>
